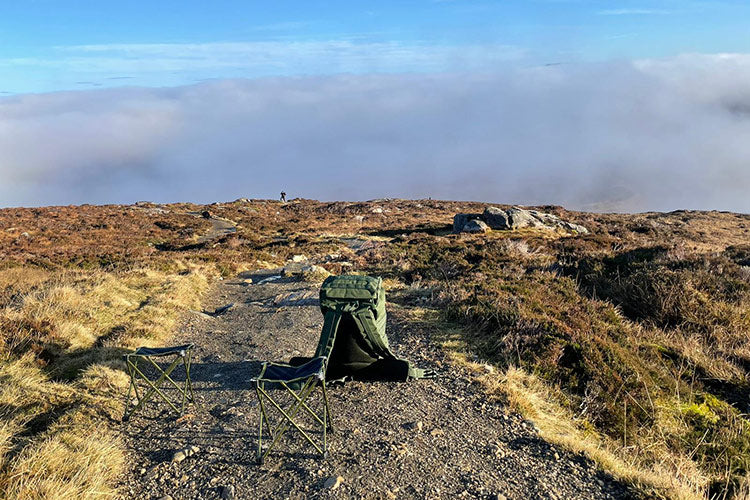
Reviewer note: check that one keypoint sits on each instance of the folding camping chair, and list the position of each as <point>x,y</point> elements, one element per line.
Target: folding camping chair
<point>182,353</point>
<point>306,376</point>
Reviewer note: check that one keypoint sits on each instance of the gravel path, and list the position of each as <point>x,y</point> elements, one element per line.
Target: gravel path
<point>424,439</point>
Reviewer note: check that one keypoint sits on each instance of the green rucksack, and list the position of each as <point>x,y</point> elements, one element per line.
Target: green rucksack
<point>353,336</point>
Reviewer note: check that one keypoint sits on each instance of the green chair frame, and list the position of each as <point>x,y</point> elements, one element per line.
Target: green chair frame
<point>182,354</point>
<point>307,377</point>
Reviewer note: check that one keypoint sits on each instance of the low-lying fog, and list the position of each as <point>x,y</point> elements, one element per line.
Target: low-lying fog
<point>626,136</point>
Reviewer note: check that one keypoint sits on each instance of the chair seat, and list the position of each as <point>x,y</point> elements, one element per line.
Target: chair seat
<point>275,372</point>
<point>163,351</point>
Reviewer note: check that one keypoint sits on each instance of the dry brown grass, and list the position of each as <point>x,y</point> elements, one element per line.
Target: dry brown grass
<point>62,381</point>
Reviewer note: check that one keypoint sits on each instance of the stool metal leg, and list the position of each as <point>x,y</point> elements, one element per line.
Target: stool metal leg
<point>126,415</point>
<point>188,381</point>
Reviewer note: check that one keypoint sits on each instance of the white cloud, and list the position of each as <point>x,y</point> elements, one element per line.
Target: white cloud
<point>656,134</point>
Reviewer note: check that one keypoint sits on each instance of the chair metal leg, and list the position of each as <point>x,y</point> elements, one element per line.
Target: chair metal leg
<point>284,376</point>
<point>126,415</point>
<point>283,426</point>
<point>327,407</point>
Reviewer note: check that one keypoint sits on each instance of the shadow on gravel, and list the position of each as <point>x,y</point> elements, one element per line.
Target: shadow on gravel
<point>214,376</point>
<point>232,375</point>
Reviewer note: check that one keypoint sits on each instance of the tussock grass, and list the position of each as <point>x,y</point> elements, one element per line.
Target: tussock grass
<point>61,378</point>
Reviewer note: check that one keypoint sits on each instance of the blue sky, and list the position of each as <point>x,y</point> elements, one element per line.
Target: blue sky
<point>50,45</point>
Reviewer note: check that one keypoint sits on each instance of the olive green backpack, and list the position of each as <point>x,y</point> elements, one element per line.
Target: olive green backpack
<point>353,336</point>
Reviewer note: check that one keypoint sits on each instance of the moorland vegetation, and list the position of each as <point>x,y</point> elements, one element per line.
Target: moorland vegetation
<point>629,343</point>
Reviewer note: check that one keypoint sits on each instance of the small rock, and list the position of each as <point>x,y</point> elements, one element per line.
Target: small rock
<point>248,281</point>
<point>166,497</point>
<point>299,258</point>
<point>488,368</point>
<point>269,279</point>
<point>333,482</point>
<point>359,218</point>
<point>227,492</point>
<point>220,310</point>
<point>314,273</point>
<point>142,471</point>
<point>293,269</point>
<point>413,426</point>
<point>185,418</point>
<point>500,496</point>
<point>179,456</point>
<point>377,210</point>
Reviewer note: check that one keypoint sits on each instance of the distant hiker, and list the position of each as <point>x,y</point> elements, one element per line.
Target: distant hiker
<point>283,197</point>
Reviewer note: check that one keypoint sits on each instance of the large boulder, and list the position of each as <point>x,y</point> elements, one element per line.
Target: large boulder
<point>460,220</point>
<point>518,218</point>
<point>496,218</point>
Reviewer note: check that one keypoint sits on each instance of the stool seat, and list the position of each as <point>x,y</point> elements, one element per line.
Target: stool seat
<point>161,351</point>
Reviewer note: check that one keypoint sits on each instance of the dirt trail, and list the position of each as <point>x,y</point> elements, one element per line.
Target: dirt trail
<point>219,227</point>
<point>437,438</point>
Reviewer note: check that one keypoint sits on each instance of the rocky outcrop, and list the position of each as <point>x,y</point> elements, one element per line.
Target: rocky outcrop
<point>512,218</point>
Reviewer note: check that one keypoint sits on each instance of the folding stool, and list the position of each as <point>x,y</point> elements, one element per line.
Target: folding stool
<point>182,353</point>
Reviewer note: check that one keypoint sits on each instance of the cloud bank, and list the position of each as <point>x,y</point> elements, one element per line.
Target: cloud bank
<point>634,136</point>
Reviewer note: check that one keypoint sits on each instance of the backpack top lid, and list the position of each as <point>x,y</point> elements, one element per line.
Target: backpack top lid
<point>351,287</point>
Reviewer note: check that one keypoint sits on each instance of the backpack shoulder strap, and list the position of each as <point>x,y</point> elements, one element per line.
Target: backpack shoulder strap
<point>328,335</point>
